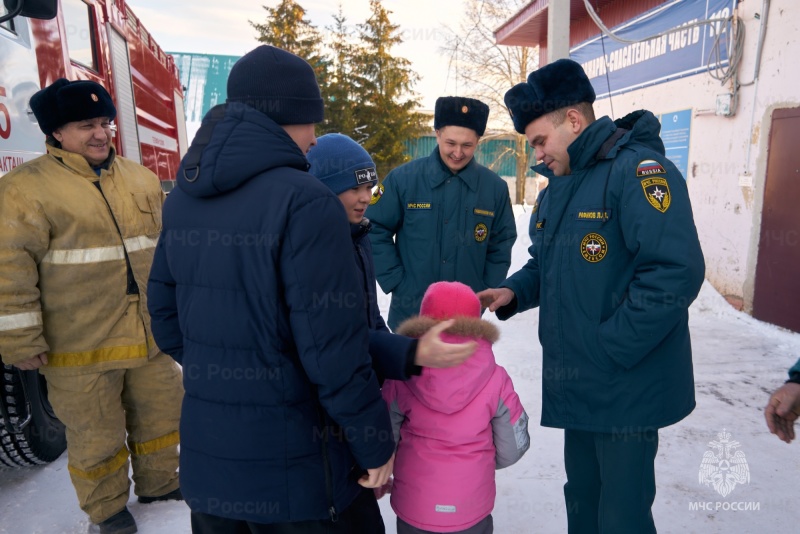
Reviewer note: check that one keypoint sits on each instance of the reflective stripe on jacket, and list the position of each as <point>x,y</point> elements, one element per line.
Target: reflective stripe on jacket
<point>63,272</point>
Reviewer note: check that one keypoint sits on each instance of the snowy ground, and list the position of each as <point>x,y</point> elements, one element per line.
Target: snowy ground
<point>738,362</point>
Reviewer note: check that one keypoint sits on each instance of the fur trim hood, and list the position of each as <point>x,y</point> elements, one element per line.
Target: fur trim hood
<point>464,327</point>
<point>449,390</point>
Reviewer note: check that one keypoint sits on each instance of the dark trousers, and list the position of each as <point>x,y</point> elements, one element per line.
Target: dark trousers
<point>363,516</point>
<point>611,483</point>
<point>485,526</point>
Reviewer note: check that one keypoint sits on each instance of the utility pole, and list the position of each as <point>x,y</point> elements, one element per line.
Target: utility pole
<point>557,30</point>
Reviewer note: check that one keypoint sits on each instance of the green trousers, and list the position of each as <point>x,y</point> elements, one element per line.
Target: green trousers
<point>611,482</point>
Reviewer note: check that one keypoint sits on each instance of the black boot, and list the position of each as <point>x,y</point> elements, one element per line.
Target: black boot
<point>120,523</point>
<point>174,495</point>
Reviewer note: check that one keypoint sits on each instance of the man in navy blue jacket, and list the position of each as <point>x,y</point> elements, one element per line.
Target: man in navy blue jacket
<point>251,290</point>
<point>615,263</point>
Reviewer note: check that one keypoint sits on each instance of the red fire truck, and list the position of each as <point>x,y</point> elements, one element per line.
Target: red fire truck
<point>102,41</point>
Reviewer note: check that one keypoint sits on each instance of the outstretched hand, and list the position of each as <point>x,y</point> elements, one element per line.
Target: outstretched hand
<point>433,352</point>
<point>783,410</point>
<point>495,298</point>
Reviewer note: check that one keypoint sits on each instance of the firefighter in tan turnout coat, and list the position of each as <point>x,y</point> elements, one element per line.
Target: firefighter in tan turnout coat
<point>78,228</point>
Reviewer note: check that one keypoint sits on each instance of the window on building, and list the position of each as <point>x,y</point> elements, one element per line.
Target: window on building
<point>80,33</point>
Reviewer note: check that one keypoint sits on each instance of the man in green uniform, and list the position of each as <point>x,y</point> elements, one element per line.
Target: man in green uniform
<point>615,263</point>
<point>444,217</point>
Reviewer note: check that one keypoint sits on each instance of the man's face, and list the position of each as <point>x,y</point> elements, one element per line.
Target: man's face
<point>356,200</point>
<point>302,134</point>
<point>551,142</point>
<point>90,138</point>
<point>456,146</point>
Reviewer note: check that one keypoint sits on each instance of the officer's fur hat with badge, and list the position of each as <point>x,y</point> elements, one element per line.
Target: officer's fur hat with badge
<point>557,85</point>
<point>64,101</point>
<point>460,111</point>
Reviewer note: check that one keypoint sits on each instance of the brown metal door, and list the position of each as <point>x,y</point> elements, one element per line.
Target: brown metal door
<point>776,297</point>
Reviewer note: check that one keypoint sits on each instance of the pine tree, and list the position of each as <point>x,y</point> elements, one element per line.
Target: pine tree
<point>382,85</point>
<point>339,98</point>
<point>288,28</point>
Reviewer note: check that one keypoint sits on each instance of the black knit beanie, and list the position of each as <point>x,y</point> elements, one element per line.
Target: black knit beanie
<point>277,83</point>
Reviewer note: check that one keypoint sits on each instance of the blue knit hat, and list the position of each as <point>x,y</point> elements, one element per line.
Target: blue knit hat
<point>556,85</point>
<point>341,163</point>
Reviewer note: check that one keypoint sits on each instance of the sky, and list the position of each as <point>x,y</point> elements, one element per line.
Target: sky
<point>738,362</point>
<point>222,28</point>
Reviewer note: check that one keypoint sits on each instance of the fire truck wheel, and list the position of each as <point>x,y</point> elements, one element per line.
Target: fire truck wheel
<point>43,439</point>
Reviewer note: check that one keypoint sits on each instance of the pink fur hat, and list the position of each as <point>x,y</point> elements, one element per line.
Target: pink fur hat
<point>445,300</point>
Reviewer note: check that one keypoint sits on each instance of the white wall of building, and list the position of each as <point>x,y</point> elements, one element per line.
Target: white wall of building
<point>728,155</point>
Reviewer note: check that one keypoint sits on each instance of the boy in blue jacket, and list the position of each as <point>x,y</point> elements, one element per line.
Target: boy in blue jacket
<point>349,172</point>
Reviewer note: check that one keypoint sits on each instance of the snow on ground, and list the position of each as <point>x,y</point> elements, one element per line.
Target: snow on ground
<point>738,361</point>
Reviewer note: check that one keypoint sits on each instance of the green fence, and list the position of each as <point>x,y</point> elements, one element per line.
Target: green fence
<point>496,154</point>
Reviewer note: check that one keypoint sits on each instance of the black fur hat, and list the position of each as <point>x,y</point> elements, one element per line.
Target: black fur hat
<point>461,111</point>
<point>556,85</point>
<point>64,101</point>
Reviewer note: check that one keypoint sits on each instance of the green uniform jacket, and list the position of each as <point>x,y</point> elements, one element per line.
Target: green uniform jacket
<point>615,264</point>
<point>446,227</point>
<point>794,372</point>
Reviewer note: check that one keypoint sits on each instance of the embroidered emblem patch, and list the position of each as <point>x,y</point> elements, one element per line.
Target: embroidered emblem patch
<point>418,206</point>
<point>376,195</point>
<point>481,232</point>
<point>656,190</point>
<point>487,213</point>
<point>364,176</point>
<point>593,248</point>
<point>649,167</point>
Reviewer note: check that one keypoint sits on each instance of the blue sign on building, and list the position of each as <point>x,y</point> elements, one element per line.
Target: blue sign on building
<point>675,133</point>
<point>615,67</point>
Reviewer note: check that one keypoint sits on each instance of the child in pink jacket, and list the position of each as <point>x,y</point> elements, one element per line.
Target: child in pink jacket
<point>453,427</point>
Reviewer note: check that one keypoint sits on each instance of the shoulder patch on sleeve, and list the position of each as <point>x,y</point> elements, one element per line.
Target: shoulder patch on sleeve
<point>376,195</point>
<point>649,167</point>
<point>656,191</point>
